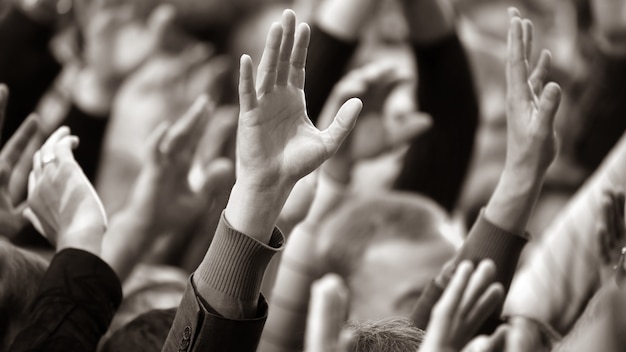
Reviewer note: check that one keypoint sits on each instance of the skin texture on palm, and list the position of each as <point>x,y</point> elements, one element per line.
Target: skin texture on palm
<point>276,142</point>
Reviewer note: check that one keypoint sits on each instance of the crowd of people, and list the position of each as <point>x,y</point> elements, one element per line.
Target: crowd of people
<point>371,175</point>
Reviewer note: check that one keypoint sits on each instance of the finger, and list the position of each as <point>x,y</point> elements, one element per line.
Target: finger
<point>448,304</point>
<point>247,92</point>
<point>37,164</point>
<point>267,70</point>
<point>407,127</point>
<point>517,66</point>
<point>513,12</point>
<point>286,46</point>
<point>185,133</point>
<point>63,149</point>
<point>341,126</point>
<point>4,101</point>
<point>54,138</point>
<point>15,146</point>
<point>527,30</point>
<point>298,56</point>
<point>160,23</point>
<point>540,73</point>
<point>327,310</point>
<point>487,304</point>
<point>479,282</point>
<point>549,105</point>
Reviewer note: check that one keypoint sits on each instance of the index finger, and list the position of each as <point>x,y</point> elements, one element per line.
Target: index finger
<point>13,149</point>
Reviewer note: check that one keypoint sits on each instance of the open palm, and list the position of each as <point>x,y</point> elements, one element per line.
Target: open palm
<point>276,143</point>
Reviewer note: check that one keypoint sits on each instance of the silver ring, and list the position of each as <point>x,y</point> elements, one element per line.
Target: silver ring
<point>48,158</point>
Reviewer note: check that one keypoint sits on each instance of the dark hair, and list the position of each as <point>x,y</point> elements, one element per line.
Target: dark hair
<point>146,333</point>
<point>394,334</point>
<point>359,222</point>
<point>20,274</point>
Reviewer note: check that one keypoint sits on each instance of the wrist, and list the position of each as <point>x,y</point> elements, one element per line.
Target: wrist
<point>87,237</point>
<point>254,210</point>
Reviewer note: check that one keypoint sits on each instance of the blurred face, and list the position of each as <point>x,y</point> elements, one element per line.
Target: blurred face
<point>393,274</point>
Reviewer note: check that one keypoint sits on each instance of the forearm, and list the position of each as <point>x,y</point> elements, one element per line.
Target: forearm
<point>125,242</point>
<point>445,149</point>
<point>286,323</point>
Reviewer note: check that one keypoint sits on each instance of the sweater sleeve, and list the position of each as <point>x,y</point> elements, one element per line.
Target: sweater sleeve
<point>485,241</point>
<point>437,161</point>
<point>232,272</point>
<point>327,60</point>
<point>77,299</point>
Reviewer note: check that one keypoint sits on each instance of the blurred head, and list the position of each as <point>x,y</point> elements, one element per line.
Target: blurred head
<point>386,335</point>
<point>387,248</point>
<point>20,273</point>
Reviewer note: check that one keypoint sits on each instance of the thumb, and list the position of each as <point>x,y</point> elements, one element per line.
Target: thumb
<point>160,23</point>
<point>405,127</point>
<point>342,125</point>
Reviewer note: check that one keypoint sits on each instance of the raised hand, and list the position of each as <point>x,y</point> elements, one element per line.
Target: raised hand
<point>16,148</point>
<point>62,204</point>
<point>276,142</point>
<point>376,132</point>
<point>469,299</point>
<point>531,104</point>
<point>328,310</point>
<point>163,193</point>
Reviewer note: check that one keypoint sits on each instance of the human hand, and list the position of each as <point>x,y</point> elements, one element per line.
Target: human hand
<point>117,41</point>
<point>525,336</point>
<point>163,194</point>
<point>611,233</point>
<point>62,204</point>
<point>531,105</point>
<point>276,142</point>
<point>11,168</point>
<point>375,132</point>
<point>469,299</point>
<point>328,310</point>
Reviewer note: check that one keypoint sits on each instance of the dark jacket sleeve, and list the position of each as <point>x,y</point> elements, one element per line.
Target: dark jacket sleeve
<point>77,299</point>
<point>236,264</point>
<point>436,162</point>
<point>485,241</point>
<point>327,61</point>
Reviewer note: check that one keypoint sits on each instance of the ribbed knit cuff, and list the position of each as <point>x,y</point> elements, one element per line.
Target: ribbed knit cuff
<point>488,241</point>
<point>235,263</point>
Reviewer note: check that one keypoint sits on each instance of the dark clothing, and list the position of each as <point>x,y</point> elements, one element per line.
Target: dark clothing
<point>485,241</point>
<point>437,161</point>
<point>75,304</point>
<point>27,66</point>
